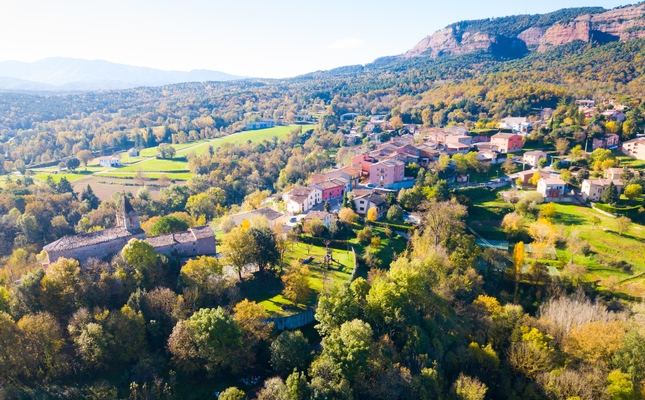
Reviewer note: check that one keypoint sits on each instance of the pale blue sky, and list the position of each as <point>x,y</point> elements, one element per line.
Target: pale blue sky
<point>265,38</point>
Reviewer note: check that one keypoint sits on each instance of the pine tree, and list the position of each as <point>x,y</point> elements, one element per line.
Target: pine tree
<point>88,194</point>
<point>610,196</point>
<point>64,186</point>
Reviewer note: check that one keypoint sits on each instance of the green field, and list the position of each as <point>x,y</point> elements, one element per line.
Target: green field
<point>154,165</point>
<point>58,177</point>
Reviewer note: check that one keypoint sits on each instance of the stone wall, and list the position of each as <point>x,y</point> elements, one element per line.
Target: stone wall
<point>102,251</point>
<point>201,247</point>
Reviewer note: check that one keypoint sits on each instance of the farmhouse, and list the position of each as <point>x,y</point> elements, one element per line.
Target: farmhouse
<point>108,242</point>
<point>593,189</point>
<point>109,162</point>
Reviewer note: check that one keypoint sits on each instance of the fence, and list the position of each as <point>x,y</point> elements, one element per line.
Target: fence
<point>293,321</point>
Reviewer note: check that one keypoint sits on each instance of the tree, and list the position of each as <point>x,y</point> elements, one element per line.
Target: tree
<point>296,283</point>
<point>633,191</point>
<point>562,146</point>
<point>365,235</point>
<point>41,345</point>
<point>237,248</point>
<point>327,206</point>
<point>595,221</point>
<point>372,214</point>
<point>264,250</point>
<point>467,388</point>
<point>442,219</point>
<point>84,156</point>
<point>197,271</point>
<point>623,224</point>
<point>548,211</point>
<point>513,224</point>
<point>168,224</point>
<point>395,213</point>
<point>64,186</point>
<point>232,393</point>
<point>535,178</point>
<point>251,318</point>
<point>314,227</point>
<point>620,386</point>
<point>72,163</point>
<point>210,338</point>
<point>140,255</point>
<point>509,166</point>
<point>596,341</point>
<point>519,255</point>
<point>336,306</point>
<point>576,245</point>
<point>444,162</point>
<point>165,151</point>
<point>348,215</point>
<point>349,347</point>
<point>62,287</point>
<point>89,196</point>
<point>290,351</point>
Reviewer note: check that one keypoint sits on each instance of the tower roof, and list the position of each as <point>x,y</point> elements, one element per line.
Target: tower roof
<point>126,206</point>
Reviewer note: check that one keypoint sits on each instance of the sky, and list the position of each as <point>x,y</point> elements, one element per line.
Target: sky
<point>259,38</point>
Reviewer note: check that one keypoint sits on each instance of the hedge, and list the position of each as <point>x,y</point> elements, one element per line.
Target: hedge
<point>632,212</point>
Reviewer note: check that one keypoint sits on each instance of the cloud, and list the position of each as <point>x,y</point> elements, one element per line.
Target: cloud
<point>347,43</point>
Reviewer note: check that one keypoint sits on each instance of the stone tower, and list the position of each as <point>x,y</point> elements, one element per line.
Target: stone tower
<point>127,216</point>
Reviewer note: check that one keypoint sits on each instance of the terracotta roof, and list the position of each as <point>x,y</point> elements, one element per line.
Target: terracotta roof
<point>321,215</point>
<point>503,135</point>
<point>330,184</point>
<point>266,212</point>
<point>191,235</point>
<point>90,239</point>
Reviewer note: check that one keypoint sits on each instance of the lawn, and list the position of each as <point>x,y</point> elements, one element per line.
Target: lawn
<point>156,165</point>
<point>267,290</point>
<point>626,161</point>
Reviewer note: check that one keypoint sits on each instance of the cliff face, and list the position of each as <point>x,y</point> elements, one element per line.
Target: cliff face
<point>619,24</point>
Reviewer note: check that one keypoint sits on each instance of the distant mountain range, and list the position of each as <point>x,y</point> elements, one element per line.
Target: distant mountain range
<point>65,74</point>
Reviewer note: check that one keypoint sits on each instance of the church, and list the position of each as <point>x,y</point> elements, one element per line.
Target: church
<point>105,244</point>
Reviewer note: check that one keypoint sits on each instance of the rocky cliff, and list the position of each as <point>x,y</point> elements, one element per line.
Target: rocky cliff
<point>517,35</point>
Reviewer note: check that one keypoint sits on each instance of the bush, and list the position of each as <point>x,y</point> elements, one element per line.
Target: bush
<point>365,235</point>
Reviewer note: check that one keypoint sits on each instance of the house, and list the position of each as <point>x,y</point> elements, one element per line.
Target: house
<point>532,158</point>
<point>586,103</point>
<point>551,188</point>
<point>507,142</point>
<point>634,148</point>
<point>490,156</point>
<point>610,141</point>
<point>456,130</point>
<point>302,199</point>
<point>593,189</point>
<point>615,173</point>
<point>387,173</point>
<point>366,199</point>
<point>331,189</point>
<point>454,148</point>
<point>273,217</point>
<point>261,124</point>
<point>326,217</point>
<point>109,162</point>
<point>517,124</point>
<point>525,176</point>
<point>463,139</point>
<point>364,162</point>
<point>133,152</point>
<point>614,115</point>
